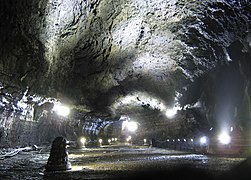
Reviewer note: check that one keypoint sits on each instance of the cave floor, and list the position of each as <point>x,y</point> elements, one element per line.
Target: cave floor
<point>115,161</point>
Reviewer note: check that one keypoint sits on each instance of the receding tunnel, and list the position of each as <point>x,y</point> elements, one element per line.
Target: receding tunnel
<point>85,69</point>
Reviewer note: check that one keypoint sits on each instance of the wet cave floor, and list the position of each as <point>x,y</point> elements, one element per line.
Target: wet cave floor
<point>119,162</point>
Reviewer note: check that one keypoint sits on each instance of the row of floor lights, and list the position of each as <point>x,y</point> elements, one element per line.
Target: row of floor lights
<point>173,140</point>
<point>112,140</point>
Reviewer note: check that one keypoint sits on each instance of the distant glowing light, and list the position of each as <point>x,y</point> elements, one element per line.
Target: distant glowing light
<point>203,140</point>
<point>100,141</point>
<point>129,138</point>
<point>224,138</point>
<point>83,141</point>
<point>170,113</point>
<point>132,126</point>
<point>61,109</point>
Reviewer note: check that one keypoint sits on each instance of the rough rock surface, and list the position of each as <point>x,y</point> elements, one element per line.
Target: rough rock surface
<point>97,54</point>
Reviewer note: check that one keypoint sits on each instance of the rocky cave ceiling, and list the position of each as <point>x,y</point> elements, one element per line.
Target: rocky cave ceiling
<point>115,56</point>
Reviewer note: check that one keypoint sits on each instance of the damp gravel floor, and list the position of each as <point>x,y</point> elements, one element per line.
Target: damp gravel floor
<point>119,162</point>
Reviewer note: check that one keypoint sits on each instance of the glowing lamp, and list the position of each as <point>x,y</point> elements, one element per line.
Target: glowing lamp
<point>170,113</point>
<point>61,110</point>
<point>132,126</point>
<point>129,138</point>
<point>224,138</point>
<point>83,141</point>
<point>203,140</point>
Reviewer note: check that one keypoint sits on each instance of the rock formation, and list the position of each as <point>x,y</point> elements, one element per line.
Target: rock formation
<point>139,58</point>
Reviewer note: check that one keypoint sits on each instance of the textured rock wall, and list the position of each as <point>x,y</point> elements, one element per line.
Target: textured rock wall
<point>97,52</point>
<point>90,48</point>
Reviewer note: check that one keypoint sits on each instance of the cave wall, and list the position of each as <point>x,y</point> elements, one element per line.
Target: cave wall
<point>96,52</point>
<point>73,47</point>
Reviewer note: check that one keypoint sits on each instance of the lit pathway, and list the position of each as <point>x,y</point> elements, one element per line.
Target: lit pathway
<point>112,161</point>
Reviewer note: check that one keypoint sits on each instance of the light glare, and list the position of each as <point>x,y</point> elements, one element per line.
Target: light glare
<point>224,138</point>
<point>170,113</point>
<point>203,140</point>
<point>129,138</point>
<point>61,110</point>
<point>83,140</point>
<point>132,126</point>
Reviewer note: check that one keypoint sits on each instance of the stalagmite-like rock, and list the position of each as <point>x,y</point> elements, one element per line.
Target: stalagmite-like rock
<point>58,159</point>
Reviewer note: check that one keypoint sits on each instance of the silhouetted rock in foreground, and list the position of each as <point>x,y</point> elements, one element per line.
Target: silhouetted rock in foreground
<point>58,159</point>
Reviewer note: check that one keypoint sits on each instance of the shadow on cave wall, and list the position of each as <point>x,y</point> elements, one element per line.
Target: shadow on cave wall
<point>224,93</point>
<point>22,54</point>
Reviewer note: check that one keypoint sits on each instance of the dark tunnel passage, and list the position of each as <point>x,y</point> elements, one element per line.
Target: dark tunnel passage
<point>161,76</point>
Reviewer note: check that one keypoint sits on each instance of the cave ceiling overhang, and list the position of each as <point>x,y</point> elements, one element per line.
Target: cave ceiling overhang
<point>114,56</point>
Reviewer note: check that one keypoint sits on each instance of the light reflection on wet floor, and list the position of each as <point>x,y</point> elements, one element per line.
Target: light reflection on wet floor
<point>97,163</point>
<point>129,159</point>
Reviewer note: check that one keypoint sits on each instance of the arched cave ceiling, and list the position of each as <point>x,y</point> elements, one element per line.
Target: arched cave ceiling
<point>113,55</point>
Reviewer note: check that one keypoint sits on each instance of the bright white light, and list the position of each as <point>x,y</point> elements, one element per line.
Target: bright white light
<point>170,113</point>
<point>100,141</point>
<point>61,110</point>
<point>83,140</point>
<point>132,126</point>
<point>203,140</point>
<point>224,138</point>
<point>128,138</point>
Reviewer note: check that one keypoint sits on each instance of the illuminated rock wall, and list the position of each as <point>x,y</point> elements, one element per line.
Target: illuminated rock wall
<point>99,53</point>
